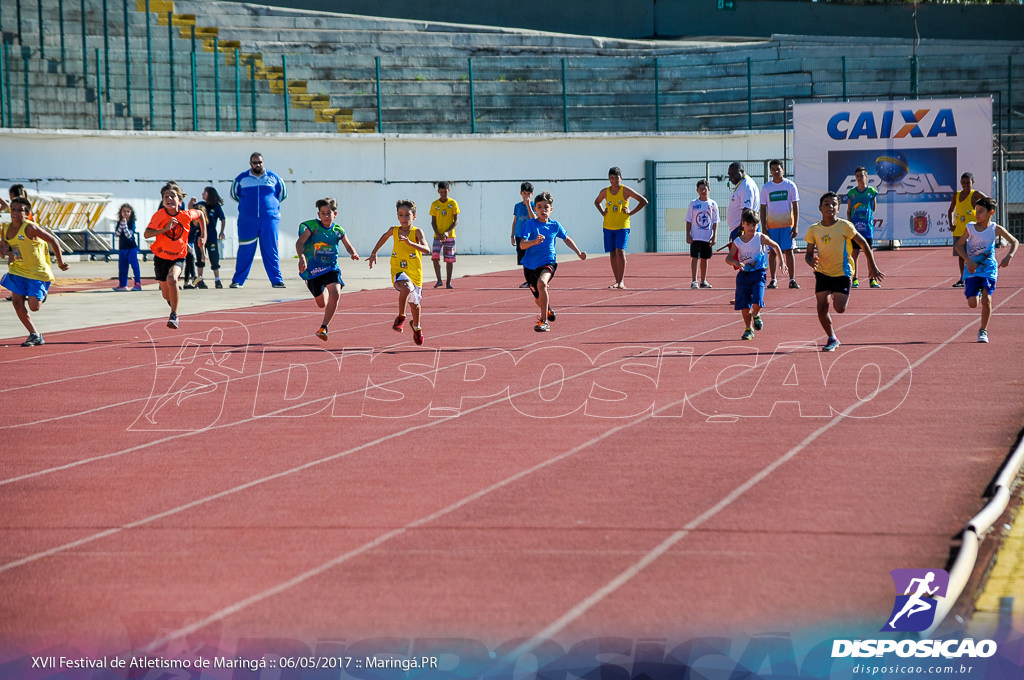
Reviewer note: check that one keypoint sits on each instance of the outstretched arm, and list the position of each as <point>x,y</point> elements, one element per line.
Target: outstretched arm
<point>572,246</point>
<point>44,234</point>
<point>1009,238</point>
<point>862,242</point>
<point>380,243</point>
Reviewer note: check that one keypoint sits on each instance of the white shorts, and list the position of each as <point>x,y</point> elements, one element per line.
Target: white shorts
<point>417,293</point>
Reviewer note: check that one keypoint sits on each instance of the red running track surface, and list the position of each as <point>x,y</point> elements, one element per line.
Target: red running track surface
<point>637,471</point>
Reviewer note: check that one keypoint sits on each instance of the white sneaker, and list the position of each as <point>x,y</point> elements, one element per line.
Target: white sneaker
<point>983,336</point>
<point>694,285</point>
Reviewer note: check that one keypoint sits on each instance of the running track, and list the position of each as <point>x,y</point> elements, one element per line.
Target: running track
<point>263,500</point>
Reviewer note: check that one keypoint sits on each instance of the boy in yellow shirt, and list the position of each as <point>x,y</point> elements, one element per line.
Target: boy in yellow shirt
<point>444,216</point>
<point>29,274</point>
<point>829,255</point>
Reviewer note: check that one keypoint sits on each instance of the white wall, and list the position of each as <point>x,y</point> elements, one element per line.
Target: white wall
<point>368,173</point>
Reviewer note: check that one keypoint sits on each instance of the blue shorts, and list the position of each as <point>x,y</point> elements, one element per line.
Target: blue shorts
<point>974,284</point>
<point>19,285</point>
<point>615,239</point>
<point>750,288</point>
<point>783,236</point>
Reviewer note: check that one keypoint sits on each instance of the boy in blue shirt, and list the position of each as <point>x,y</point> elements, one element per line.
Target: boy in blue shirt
<point>977,247</point>
<point>539,263</point>
<point>521,212</point>
<point>317,247</point>
<point>860,209</point>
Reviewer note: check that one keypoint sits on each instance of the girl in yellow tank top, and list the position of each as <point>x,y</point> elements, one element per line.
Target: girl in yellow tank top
<point>407,253</point>
<point>31,253</point>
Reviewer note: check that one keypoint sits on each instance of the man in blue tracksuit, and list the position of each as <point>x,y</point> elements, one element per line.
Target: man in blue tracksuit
<point>259,193</point>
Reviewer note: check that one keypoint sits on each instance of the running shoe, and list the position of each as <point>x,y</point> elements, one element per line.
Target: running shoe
<point>218,284</point>
<point>417,336</point>
<point>542,326</point>
<point>758,323</point>
<point>189,286</point>
<point>747,335</point>
<point>201,284</point>
<point>773,284</point>
<point>279,284</point>
<point>856,283</point>
<point>438,284</point>
<point>551,314</point>
<point>235,284</point>
<point>958,284</point>
<point>982,336</point>
<point>137,286</point>
<point>831,345</point>
<point>172,321</point>
<point>322,333</point>
<point>793,284</point>
<point>35,339</point>
<point>524,284</point>
<point>694,285</point>
<point>121,289</point>
<point>398,325</point>
<point>449,285</point>
<point>875,284</point>
<point>705,284</point>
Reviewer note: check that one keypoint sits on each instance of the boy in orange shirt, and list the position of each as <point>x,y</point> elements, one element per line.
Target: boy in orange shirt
<point>170,225</point>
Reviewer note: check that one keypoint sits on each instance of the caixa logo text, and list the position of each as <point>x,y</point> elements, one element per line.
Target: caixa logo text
<point>948,649</point>
<point>886,125</point>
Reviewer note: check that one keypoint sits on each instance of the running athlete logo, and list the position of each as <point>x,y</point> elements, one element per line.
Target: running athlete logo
<point>914,609</point>
<point>191,375</point>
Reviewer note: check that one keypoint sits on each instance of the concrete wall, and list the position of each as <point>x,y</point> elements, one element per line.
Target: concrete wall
<point>367,174</point>
<point>682,18</point>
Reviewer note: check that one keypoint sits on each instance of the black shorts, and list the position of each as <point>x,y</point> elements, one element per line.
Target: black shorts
<point>213,250</point>
<point>519,250</point>
<point>856,246</point>
<point>162,267</point>
<point>831,284</point>
<point>318,284</point>
<point>700,249</point>
<point>532,276</point>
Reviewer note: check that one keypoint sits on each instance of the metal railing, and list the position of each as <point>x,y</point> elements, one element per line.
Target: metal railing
<point>686,92</point>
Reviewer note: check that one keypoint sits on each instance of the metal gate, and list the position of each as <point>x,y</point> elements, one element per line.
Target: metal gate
<point>675,185</point>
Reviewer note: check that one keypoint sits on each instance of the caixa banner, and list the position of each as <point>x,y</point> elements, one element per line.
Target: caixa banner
<point>913,153</point>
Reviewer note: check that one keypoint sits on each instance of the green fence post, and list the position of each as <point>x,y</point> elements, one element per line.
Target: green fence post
<point>844,78</point>
<point>252,92</point>
<point>85,57</point>
<point>195,104</point>
<point>380,117</point>
<point>106,50</point>
<point>7,85</point>
<point>7,69</point>
<point>651,189</point>
<point>60,20</point>
<point>149,62</point>
<point>750,98</point>
<point>39,10</point>
<point>238,92</point>
<point>170,61</point>
<point>565,100</point>
<point>127,65</point>
<point>99,92</point>
<point>26,53</point>
<point>657,98</point>
<point>216,79</point>
<point>913,76</point>
<point>287,98</point>
<point>1009,94</point>
<point>4,95</point>
<point>472,99</point>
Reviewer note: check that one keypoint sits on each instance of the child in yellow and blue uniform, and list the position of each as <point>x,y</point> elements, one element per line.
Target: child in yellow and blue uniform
<point>407,250</point>
<point>29,275</point>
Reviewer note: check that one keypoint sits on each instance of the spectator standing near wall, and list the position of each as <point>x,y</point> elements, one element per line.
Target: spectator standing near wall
<point>259,193</point>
